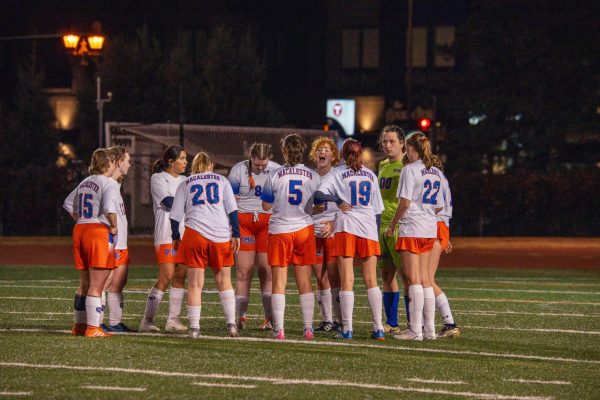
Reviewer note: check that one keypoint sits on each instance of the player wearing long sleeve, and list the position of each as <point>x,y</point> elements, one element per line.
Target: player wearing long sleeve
<point>356,232</point>
<point>325,155</point>
<point>94,210</point>
<point>289,193</point>
<point>167,175</point>
<point>247,179</point>
<point>419,200</point>
<point>207,203</point>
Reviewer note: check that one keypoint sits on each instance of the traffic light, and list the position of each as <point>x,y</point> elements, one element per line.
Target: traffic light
<point>424,124</point>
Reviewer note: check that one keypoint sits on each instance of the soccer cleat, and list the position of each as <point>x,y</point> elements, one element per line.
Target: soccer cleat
<point>344,335</point>
<point>174,325</point>
<point>308,334</point>
<point>449,331</point>
<point>96,331</point>
<point>324,326</point>
<point>104,327</point>
<point>194,333</point>
<point>232,330</point>
<point>387,328</point>
<point>120,327</point>
<point>279,335</point>
<point>429,337</point>
<point>147,325</point>
<point>241,323</point>
<point>78,329</point>
<point>266,325</point>
<point>409,335</point>
<point>378,335</point>
<point>336,327</point>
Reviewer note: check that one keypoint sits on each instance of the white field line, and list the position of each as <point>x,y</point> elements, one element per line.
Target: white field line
<point>228,385</point>
<point>573,331</point>
<point>280,381</point>
<point>448,288</point>
<point>495,312</point>
<point>114,388</point>
<point>16,393</point>
<point>524,281</point>
<point>537,381</point>
<point>335,344</point>
<point>436,381</point>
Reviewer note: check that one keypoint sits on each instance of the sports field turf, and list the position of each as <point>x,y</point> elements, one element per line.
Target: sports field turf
<point>527,334</point>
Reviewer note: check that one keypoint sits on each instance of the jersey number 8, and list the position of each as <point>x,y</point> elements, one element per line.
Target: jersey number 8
<point>212,194</point>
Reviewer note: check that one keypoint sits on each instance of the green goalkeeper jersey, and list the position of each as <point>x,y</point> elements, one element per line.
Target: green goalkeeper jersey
<point>389,177</point>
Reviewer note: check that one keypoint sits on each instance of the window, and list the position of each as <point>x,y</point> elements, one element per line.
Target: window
<point>442,50</point>
<point>419,47</point>
<point>435,48</point>
<point>360,48</point>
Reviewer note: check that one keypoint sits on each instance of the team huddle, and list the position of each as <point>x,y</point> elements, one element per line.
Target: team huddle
<point>266,216</point>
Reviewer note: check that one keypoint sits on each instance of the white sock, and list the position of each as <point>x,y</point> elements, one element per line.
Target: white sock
<point>335,300</point>
<point>266,302</point>
<point>415,294</point>
<point>307,305</point>
<point>103,298</point>
<point>80,316</point>
<point>228,302</point>
<point>278,308</point>
<point>154,298</point>
<point>93,309</point>
<point>115,308</point>
<point>429,311</point>
<point>175,301</point>
<point>194,316</point>
<point>376,303</point>
<point>241,305</point>
<point>326,304</point>
<point>347,306</point>
<point>443,306</point>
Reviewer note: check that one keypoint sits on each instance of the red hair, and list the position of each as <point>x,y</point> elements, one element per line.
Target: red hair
<point>352,154</point>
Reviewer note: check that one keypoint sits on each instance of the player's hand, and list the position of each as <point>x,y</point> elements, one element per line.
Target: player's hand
<point>235,245</point>
<point>389,231</point>
<point>318,209</point>
<point>448,249</point>
<point>176,244</point>
<point>113,230</point>
<point>345,207</point>
<point>327,228</point>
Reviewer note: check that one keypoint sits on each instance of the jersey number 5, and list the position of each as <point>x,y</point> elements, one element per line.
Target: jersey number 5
<point>428,196</point>
<point>212,194</point>
<point>86,208</point>
<point>295,194</point>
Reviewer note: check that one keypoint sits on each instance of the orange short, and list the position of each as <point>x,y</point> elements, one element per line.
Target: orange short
<point>348,245</point>
<point>165,253</point>
<point>324,250</point>
<point>414,245</point>
<point>293,248</point>
<point>443,234</point>
<point>91,247</point>
<point>121,257</point>
<point>196,251</point>
<point>254,235</point>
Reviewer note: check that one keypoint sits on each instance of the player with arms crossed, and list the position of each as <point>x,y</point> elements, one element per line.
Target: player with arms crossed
<point>206,201</point>
<point>289,193</point>
<point>418,203</point>
<point>95,213</point>
<point>247,179</point>
<point>356,232</point>
<point>163,184</point>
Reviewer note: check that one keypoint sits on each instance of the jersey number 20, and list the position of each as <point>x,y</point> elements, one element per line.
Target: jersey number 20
<point>212,194</point>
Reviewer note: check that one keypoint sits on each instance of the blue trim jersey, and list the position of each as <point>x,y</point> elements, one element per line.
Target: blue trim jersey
<point>446,214</point>
<point>93,199</point>
<point>249,198</point>
<point>291,191</point>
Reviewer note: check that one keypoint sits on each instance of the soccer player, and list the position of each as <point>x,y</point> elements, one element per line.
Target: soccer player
<point>356,232</point>
<point>95,213</point>
<point>164,182</point>
<point>206,201</point>
<point>247,179</point>
<point>418,192</point>
<point>442,243</point>
<point>324,154</point>
<point>289,191</point>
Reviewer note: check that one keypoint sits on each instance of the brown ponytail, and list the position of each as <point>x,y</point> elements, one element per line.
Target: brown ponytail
<point>418,141</point>
<point>170,155</point>
<point>292,147</point>
<point>260,151</point>
<point>352,154</point>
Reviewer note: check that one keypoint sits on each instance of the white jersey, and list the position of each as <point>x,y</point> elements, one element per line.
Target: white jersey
<point>360,189</point>
<point>205,201</point>
<point>291,191</point>
<point>249,199</point>
<point>423,187</point>
<point>446,214</point>
<point>163,184</point>
<point>121,243</point>
<point>329,214</point>
<point>93,199</point>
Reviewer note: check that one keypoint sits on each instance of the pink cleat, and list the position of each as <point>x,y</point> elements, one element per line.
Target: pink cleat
<point>279,335</point>
<point>309,334</point>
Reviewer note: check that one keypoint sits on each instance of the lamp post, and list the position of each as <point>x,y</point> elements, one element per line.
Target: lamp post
<point>100,105</point>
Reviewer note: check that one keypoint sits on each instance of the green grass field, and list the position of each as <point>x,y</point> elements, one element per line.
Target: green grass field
<point>527,334</point>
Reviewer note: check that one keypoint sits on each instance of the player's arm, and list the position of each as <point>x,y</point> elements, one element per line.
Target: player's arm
<point>404,194</point>
<point>230,205</point>
<point>160,191</point>
<point>267,196</point>
<point>177,213</point>
<point>112,220</point>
